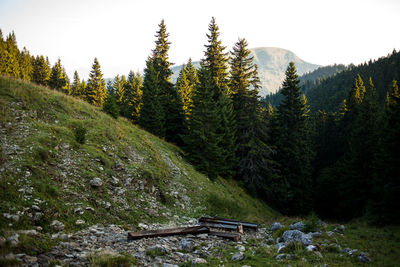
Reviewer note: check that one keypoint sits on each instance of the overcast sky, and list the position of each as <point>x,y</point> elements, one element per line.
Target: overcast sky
<point>121,33</point>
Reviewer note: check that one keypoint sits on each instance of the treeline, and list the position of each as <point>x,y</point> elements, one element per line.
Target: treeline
<point>284,155</point>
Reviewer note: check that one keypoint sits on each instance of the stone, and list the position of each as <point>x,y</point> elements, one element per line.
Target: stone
<point>297,226</point>
<point>352,252</point>
<point>238,256</point>
<point>13,239</point>
<point>32,232</point>
<point>36,208</point>
<point>315,234</point>
<point>329,233</point>
<point>169,265</point>
<point>269,241</point>
<point>143,226</point>
<point>186,244</point>
<point>319,254</point>
<point>280,246</point>
<point>96,182</point>
<point>275,226</point>
<point>198,261</point>
<point>114,181</point>
<point>241,248</point>
<point>311,248</point>
<point>363,257</point>
<point>30,259</point>
<point>280,256</point>
<point>297,236</point>
<point>57,225</point>
<point>79,222</point>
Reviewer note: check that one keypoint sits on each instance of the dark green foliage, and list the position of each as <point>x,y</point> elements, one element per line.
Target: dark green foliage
<point>151,114</point>
<point>185,84</point>
<point>131,95</point>
<point>254,156</point>
<point>330,93</point>
<point>76,87</point>
<point>95,92</point>
<point>41,71</point>
<point>80,134</point>
<point>25,65</point>
<point>292,192</point>
<point>58,79</point>
<point>110,105</point>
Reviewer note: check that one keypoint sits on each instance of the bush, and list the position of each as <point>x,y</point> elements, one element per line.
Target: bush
<point>80,134</point>
<point>311,223</point>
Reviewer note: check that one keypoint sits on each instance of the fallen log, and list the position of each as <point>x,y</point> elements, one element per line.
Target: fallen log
<point>168,232</point>
<point>231,236</point>
<point>246,225</point>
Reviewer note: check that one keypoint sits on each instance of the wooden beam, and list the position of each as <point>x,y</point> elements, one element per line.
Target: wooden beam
<point>168,232</point>
<point>230,227</point>
<point>231,236</point>
<point>246,225</point>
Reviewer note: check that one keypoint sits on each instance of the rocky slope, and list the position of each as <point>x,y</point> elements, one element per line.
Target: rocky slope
<point>272,63</point>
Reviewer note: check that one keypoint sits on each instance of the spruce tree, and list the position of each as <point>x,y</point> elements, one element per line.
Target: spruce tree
<point>41,71</point>
<point>132,97</point>
<point>96,89</point>
<point>11,57</point>
<point>254,156</point>
<point>58,80</point>
<point>119,90</point>
<point>185,92</point>
<point>76,87</point>
<point>110,104</point>
<point>169,97</point>
<point>25,64</point>
<point>151,113</point>
<point>202,142</point>
<point>294,153</point>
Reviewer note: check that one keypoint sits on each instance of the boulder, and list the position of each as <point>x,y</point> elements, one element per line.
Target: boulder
<point>143,226</point>
<point>13,239</point>
<point>297,236</point>
<point>240,248</point>
<point>198,261</point>
<point>275,226</point>
<point>96,182</point>
<point>297,226</point>
<point>238,256</point>
<point>79,222</point>
<point>363,257</point>
<point>57,225</point>
<point>186,244</point>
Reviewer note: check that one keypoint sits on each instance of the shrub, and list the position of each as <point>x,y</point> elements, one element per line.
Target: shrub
<point>80,134</point>
<point>311,223</point>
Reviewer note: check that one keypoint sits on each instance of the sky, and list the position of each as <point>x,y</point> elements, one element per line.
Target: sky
<point>121,33</point>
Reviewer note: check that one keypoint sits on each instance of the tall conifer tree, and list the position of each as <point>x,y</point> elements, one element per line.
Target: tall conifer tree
<point>58,80</point>
<point>132,97</point>
<point>96,90</point>
<point>76,87</point>
<point>41,71</point>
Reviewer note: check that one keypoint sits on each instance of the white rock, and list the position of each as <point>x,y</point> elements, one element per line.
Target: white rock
<point>297,226</point>
<point>198,261</point>
<point>57,225</point>
<point>275,226</point>
<point>79,222</point>
<point>238,256</point>
<point>241,248</point>
<point>297,236</point>
<point>310,248</point>
<point>96,182</point>
<point>143,226</point>
<point>13,239</point>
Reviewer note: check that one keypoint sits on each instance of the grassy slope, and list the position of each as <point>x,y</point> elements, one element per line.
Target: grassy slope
<point>39,153</point>
<point>41,160</point>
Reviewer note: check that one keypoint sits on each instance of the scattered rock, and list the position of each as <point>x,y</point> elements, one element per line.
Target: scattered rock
<point>297,236</point>
<point>32,232</point>
<point>169,265</point>
<point>13,239</point>
<point>280,256</point>
<point>280,246</point>
<point>275,226</point>
<point>79,222</point>
<point>36,208</point>
<point>241,248</point>
<point>57,225</point>
<point>143,226</point>
<point>96,182</point>
<point>186,245</point>
<point>329,233</point>
<point>315,234</point>
<point>2,241</point>
<point>30,259</point>
<point>297,226</point>
<point>198,261</point>
<point>363,257</point>
<point>319,254</point>
<point>311,248</point>
<point>238,256</point>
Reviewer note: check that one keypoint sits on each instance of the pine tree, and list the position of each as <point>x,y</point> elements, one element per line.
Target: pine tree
<point>215,62</point>
<point>185,92</point>
<point>202,140</point>
<point>58,80</point>
<point>170,101</point>
<point>252,152</point>
<point>294,153</point>
<point>132,97</point>
<point>41,71</point>
<point>83,90</point>
<point>25,64</point>
<point>10,56</point>
<point>76,88</point>
<point>119,90</point>
<point>96,89</point>
<point>151,114</point>
<point>110,104</point>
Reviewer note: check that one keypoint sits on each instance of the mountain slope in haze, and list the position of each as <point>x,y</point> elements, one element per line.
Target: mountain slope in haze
<point>121,174</point>
<point>272,63</point>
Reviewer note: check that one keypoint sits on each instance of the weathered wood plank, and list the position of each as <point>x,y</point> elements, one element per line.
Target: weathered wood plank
<point>231,227</point>
<point>231,236</point>
<point>246,225</point>
<point>168,232</point>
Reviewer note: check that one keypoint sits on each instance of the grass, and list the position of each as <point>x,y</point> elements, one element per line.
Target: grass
<point>110,260</point>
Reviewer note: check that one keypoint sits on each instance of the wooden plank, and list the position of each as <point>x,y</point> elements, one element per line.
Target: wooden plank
<point>220,226</point>
<point>231,236</point>
<point>246,225</point>
<point>168,232</point>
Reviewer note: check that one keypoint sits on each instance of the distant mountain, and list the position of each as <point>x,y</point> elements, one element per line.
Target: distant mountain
<point>272,63</point>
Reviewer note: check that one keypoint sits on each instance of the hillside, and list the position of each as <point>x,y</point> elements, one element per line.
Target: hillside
<point>66,203</point>
<point>329,94</point>
<point>272,63</point>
